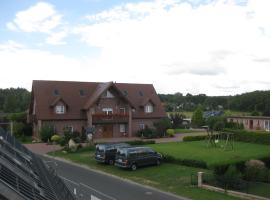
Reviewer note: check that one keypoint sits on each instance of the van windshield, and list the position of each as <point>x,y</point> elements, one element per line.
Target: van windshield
<point>100,148</point>
<point>122,153</point>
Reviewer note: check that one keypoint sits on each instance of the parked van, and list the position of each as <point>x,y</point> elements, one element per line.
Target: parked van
<point>105,153</point>
<point>134,157</point>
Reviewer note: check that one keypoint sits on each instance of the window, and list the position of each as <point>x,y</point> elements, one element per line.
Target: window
<point>107,111</point>
<point>267,125</point>
<point>56,92</point>
<point>125,93</point>
<point>122,128</point>
<point>108,94</point>
<point>122,110</point>
<point>60,109</point>
<point>141,126</point>
<point>141,93</point>
<point>148,108</point>
<point>82,93</point>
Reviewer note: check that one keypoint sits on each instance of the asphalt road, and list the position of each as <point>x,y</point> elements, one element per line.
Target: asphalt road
<point>91,185</point>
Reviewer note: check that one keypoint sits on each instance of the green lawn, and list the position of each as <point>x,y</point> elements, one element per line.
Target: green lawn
<point>167,177</point>
<point>198,150</point>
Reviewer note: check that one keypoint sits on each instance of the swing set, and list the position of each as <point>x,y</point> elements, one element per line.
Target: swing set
<point>221,140</point>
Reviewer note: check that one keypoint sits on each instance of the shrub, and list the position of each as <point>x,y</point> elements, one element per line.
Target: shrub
<point>147,133</point>
<point>55,138</point>
<point>194,138</point>
<point>46,133</point>
<point>230,179</point>
<point>177,119</point>
<point>141,142</point>
<point>161,126</point>
<point>255,170</point>
<point>18,128</point>
<point>170,132</point>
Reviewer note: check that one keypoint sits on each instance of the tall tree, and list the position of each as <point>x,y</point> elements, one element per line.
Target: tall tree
<point>197,117</point>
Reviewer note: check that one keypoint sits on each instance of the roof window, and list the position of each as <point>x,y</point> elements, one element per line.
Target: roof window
<point>56,92</point>
<point>125,92</point>
<point>82,93</point>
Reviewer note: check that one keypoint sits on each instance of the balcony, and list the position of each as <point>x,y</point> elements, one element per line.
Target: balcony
<point>110,118</point>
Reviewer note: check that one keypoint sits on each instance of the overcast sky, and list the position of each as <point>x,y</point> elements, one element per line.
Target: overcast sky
<point>216,47</point>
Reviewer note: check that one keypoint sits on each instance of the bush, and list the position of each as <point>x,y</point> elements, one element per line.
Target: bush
<point>161,126</point>
<point>46,133</point>
<point>230,179</point>
<point>258,137</point>
<point>170,132</point>
<point>147,133</point>
<point>18,128</point>
<point>55,138</point>
<point>140,142</point>
<point>255,171</point>
<point>194,138</point>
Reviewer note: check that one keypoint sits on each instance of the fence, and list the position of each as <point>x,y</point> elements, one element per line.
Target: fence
<point>234,184</point>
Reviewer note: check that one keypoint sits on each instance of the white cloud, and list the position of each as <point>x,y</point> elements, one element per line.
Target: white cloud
<point>57,38</point>
<point>219,48</point>
<point>181,48</point>
<point>41,18</point>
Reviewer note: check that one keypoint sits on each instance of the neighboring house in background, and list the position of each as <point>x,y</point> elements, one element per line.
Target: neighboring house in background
<point>252,122</point>
<point>113,109</point>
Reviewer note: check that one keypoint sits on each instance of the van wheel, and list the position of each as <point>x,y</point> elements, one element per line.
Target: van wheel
<point>111,162</point>
<point>133,167</point>
<point>158,162</point>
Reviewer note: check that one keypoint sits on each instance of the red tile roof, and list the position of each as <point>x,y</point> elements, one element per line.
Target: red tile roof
<point>69,93</point>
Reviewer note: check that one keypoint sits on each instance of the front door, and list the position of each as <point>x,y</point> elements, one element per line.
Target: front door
<point>250,124</point>
<point>107,131</point>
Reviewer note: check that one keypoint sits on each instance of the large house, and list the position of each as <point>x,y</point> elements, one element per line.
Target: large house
<point>252,122</point>
<point>111,109</point>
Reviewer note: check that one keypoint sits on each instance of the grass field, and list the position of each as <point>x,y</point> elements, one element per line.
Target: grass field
<point>167,177</point>
<point>198,150</point>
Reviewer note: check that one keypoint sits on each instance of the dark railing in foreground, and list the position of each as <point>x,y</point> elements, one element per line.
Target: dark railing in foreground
<point>25,173</point>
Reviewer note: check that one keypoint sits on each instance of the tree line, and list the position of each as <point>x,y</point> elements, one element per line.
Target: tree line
<point>257,101</point>
<point>14,100</point>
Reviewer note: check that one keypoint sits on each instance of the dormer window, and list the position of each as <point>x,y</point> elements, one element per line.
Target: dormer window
<point>107,94</point>
<point>148,108</point>
<point>60,109</point>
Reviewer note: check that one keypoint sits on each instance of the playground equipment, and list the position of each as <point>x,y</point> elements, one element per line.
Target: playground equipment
<point>217,139</point>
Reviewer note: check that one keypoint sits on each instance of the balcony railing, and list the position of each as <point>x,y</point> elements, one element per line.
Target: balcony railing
<point>109,118</point>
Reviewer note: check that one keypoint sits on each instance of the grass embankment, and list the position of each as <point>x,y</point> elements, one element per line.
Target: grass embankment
<point>198,150</point>
<point>167,177</point>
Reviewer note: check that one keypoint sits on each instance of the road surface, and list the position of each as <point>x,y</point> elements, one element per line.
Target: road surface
<point>91,185</point>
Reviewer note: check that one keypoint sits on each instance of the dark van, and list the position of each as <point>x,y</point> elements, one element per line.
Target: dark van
<point>105,153</point>
<point>134,157</point>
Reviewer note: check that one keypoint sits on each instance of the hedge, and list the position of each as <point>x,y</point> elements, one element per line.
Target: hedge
<point>250,136</point>
<point>194,138</point>
<point>187,162</point>
<point>141,142</point>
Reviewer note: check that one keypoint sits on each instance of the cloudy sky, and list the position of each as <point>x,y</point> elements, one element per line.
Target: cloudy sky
<point>216,47</point>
